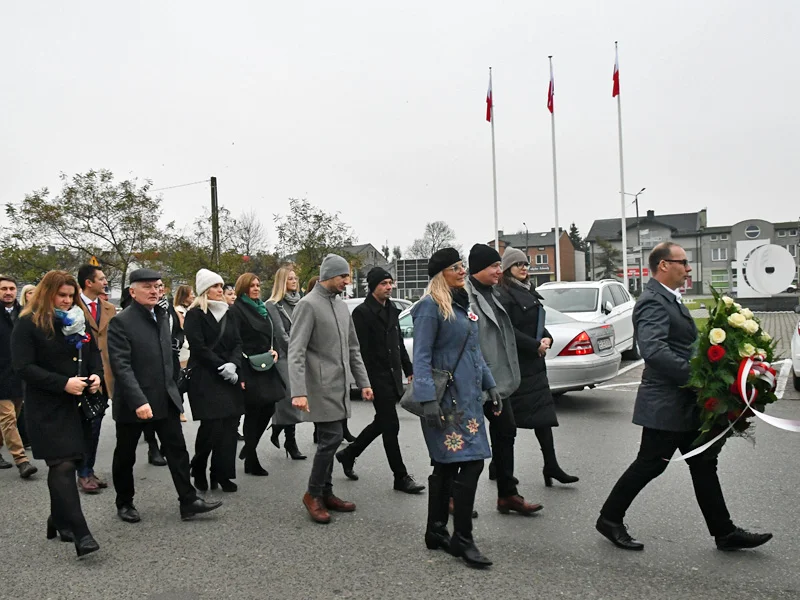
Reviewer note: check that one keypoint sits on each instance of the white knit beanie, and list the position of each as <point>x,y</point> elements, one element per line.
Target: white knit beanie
<point>204,280</point>
<point>512,256</point>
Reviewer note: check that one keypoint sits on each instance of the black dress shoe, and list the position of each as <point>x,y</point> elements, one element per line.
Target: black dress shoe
<point>26,469</point>
<point>465,548</point>
<point>128,513</point>
<point>4,464</point>
<point>155,458</point>
<point>86,545</point>
<point>740,539</point>
<point>617,534</point>
<point>348,463</point>
<point>408,485</point>
<point>197,507</point>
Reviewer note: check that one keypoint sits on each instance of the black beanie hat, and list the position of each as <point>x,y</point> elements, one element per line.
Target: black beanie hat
<point>482,256</point>
<point>376,275</point>
<point>442,259</point>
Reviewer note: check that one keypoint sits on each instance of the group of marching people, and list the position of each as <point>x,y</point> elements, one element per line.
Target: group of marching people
<point>284,361</point>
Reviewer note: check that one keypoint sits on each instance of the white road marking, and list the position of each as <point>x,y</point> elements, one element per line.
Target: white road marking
<point>783,378</point>
<point>630,367</point>
<point>606,386</point>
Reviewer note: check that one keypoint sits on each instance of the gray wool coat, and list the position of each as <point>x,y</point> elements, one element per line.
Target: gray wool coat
<point>323,350</point>
<point>498,342</point>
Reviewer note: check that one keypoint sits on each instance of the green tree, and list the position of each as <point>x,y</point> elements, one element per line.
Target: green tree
<point>92,215</point>
<point>608,259</point>
<point>576,238</point>
<point>308,233</point>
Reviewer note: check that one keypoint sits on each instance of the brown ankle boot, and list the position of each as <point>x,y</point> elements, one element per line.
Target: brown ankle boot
<point>316,509</point>
<point>518,504</point>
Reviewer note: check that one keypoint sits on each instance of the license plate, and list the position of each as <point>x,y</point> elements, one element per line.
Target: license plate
<point>605,343</point>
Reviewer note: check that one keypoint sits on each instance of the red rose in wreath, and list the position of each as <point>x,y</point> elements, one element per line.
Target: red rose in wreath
<point>711,404</point>
<point>716,353</point>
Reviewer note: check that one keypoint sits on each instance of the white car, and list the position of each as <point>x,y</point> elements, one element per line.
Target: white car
<point>583,355</point>
<point>796,354</point>
<point>604,301</point>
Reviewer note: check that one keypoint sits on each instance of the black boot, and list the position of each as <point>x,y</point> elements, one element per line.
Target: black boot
<point>461,544</point>
<point>275,437</point>
<point>348,437</point>
<point>252,466</point>
<point>551,468</point>
<point>52,531</point>
<point>436,534</point>
<point>86,545</point>
<point>290,445</point>
<point>199,473</point>
<point>154,456</point>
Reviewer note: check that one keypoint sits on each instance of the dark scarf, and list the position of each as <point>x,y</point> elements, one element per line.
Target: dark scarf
<point>461,297</point>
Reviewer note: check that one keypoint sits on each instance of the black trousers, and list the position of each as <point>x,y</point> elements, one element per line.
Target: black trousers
<point>502,432</point>
<point>217,438</point>
<point>459,481</point>
<point>256,421</point>
<point>387,425</point>
<point>173,447</point>
<point>656,448</point>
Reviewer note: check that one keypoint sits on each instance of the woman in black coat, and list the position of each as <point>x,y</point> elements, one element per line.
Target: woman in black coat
<point>263,385</point>
<point>215,392</point>
<point>58,361</point>
<point>532,402</point>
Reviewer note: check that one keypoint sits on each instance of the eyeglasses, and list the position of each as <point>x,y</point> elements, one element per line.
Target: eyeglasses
<point>684,262</point>
<point>521,265</point>
<point>457,268</point>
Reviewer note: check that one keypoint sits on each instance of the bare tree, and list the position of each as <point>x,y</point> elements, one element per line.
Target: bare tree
<point>438,235</point>
<point>250,236</point>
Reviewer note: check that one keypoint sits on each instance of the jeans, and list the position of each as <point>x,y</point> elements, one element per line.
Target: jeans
<point>384,424</point>
<point>656,448</point>
<point>330,437</point>
<point>86,468</point>
<point>503,431</point>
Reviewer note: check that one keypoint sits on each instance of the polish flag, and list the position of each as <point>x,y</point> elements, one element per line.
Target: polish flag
<point>551,90</point>
<point>615,91</point>
<point>489,102</point>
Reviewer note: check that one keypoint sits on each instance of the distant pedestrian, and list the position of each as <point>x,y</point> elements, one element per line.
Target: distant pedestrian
<point>26,294</point>
<point>229,293</point>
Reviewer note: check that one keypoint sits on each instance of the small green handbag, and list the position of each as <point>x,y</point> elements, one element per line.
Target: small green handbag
<point>260,362</point>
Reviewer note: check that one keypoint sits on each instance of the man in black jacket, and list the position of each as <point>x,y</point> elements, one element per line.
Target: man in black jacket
<point>140,349</point>
<point>385,357</point>
<point>667,412</point>
<point>10,383</point>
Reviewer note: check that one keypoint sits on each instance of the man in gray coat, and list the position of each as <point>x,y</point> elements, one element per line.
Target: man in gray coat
<point>499,349</point>
<point>323,347</point>
<point>668,412</point>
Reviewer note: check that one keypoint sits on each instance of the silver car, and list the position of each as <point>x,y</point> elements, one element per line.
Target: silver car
<point>582,355</point>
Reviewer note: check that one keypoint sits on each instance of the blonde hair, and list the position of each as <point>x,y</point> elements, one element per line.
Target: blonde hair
<point>42,305</point>
<point>25,289</point>
<point>279,286</point>
<point>201,301</point>
<point>442,295</point>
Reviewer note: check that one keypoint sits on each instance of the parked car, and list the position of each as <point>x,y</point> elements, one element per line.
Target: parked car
<point>605,301</point>
<point>399,303</point>
<point>582,355</point>
<point>796,354</point>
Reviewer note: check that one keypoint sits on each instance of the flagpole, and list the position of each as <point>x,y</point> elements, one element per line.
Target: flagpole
<point>621,180</point>
<point>494,170</point>
<point>557,229</point>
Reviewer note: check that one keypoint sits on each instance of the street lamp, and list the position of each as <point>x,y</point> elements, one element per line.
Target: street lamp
<point>638,238</point>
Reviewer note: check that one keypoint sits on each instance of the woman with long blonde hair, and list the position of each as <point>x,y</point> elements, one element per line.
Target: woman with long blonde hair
<point>59,362</point>
<point>26,294</point>
<point>446,339</point>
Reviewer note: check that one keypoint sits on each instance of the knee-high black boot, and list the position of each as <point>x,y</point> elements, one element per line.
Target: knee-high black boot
<point>462,545</point>
<point>348,437</point>
<point>290,445</point>
<point>436,534</point>
<point>551,468</point>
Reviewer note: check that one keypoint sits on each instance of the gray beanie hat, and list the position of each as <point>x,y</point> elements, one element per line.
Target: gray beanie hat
<point>333,265</point>
<point>512,256</point>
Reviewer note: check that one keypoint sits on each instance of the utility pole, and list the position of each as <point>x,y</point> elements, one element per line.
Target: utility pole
<point>214,224</point>
<point>638,237</point>
<point>527,246</point>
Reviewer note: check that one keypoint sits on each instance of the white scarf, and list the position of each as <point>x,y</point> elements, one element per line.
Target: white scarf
<point>217,308</point>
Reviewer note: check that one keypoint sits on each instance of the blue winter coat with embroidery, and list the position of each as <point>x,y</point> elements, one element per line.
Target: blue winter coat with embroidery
<point>437,343</point>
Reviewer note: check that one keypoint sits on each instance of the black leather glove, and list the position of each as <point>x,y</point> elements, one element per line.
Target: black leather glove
<point>432,414</point>
<point>496,400</point>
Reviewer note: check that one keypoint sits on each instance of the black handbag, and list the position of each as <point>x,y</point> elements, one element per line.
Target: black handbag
<point>442,380</point>
<point>92,405</point>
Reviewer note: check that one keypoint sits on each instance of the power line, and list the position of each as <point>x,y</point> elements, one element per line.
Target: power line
<point>172,187</point>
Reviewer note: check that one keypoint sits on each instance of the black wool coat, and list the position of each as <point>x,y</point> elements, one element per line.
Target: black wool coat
<point>45,362</point>
<point>382,348</point>
<point>532,402</point>
<point>10,382</point>
<point>140,352</point>
<point>210,395</point>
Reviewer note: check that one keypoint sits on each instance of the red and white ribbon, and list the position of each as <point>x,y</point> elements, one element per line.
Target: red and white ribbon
<point>759,369</point>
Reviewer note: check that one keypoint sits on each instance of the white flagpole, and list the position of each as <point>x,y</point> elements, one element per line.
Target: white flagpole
<point>621,179</point>
<point>555,177</point>
<point>494,169</point>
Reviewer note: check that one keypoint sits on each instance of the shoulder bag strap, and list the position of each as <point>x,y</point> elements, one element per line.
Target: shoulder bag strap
<point>222,326</point>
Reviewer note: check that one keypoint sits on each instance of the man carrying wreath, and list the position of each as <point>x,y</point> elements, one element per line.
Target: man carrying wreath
<point>667,411</point>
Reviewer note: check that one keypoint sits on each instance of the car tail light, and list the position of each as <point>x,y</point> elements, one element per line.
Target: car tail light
<point>581,344</point>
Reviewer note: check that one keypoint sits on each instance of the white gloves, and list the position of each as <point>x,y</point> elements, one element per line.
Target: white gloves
<point>228,373</point>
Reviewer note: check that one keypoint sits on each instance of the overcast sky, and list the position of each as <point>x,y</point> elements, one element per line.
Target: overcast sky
<point>377,109</point>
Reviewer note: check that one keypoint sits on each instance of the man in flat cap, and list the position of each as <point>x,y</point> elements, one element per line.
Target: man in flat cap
<point>386,359</point>
<point>322,345</point>
<point>140,350</point>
